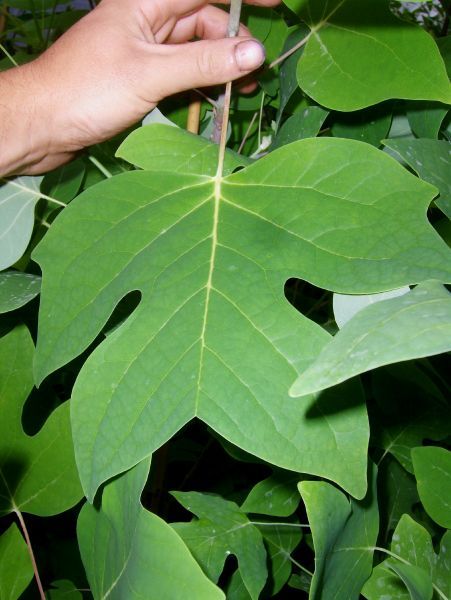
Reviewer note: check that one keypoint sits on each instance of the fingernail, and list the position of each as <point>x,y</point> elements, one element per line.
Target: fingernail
<point>249,55</point>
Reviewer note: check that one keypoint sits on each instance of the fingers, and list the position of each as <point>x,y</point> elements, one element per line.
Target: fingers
<point>159,12</point>
<point>206,63</point>
<point>209,23</point>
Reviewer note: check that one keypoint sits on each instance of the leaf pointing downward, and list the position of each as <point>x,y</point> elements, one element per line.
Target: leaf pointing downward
<point>213,335</point>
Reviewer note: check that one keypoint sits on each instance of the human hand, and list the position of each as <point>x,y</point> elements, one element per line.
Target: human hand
<point>118,62</point>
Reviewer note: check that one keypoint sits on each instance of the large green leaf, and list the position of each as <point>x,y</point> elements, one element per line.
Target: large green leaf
<point>37,474</point>
<point>130,553</point>
<point>16,570</point>
<point>214,336</point>
<point>344,534</point>
<point>431,159</point>
<point>221,529</point>
<point>383,333</point>
<point>432,467</point>
<point>412,544</point>
<point>18,198</point>
<point>359,54</point>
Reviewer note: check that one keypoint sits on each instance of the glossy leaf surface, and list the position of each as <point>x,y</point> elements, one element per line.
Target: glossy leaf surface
<point>131,553</point>
<point>381,334</point>
<point>213,335</point>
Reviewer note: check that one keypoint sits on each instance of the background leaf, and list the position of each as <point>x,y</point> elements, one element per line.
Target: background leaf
<point>409,407</point>
<point>16,571</point>
<point>412,543</point>
<point>432,468</point>
<point>37,474</point>
<point>360,54</point>
<point>131,553</point>
<point>18,198</point>
<point>221,529</point>
<point>344,534</point>
<point>431,159</point>
<point>346,306</point>
<point>383,333</point>
<point>415,579</point>
<point>277,495</point>
<point>17,289</point>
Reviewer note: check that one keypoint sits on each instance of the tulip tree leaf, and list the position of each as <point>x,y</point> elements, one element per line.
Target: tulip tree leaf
<point>344,534</point>
<point>346,305</point>
<point>277,495</point>
<point>409,408</point>
<point>131,553</point>
<point>413,545</point>
<point>221,529</point>
<point>16,570</point>
<point>63,589</point>
<point>431,159</point>
<point>381,334</point>
<point>213,335</point>
<point>359,54</point>
<point>37,474</point>
<point>17,289</point>
<point>425,118</point>
<point>417,581</point>
<point>18,198</point>
<point>161,147</point>
<point>432,468</point>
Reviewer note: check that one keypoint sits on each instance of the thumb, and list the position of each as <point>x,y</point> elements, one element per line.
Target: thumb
<point>201,64</point>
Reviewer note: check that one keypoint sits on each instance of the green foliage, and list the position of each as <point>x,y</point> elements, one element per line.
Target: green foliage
<point>182,303</point>
<point>16,571</point>
<point>129,552</point>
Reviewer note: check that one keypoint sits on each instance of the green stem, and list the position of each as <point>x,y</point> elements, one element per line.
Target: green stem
<point>99,165</point>
<point>8,55</point>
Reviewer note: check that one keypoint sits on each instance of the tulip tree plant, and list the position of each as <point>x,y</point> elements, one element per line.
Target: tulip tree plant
<point>223,366</point>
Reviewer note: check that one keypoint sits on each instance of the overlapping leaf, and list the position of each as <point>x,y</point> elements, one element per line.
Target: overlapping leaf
<point>37,474</point>
<point>431,159</point>
<point>412,547</point>
<point>213,335</point>
<point>359,54</point>
<point>18,198</point>
<point>383,333</point>
<point>277,495</point>
<point>344,534</point>
<point>221,529</point>
<point>16,289</point>
<point>131,553</point>
<point>432,467</point>
<point>16,570</point>
<point>408,408</point>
